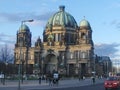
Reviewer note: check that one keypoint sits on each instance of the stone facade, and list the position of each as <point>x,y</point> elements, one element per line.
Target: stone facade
<point>66,47</point>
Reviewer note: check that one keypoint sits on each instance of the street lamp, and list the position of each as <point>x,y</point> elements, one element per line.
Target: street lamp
<point>19,68</point>
<point>41,58</point>
<point>31,20</point>
<point>27,47</point>
<point>66,59</point>
<point>6,63</point>
<point>20,62</point>
<point>94,69</point>
<point>5,71</point>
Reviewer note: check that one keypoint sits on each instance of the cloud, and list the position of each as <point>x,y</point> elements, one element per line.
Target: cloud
<point>10,40</point>
<point>115,5</point>
<point>107,49</point>
<point>41,19</point>
<point>115,23</point>
<point>7,39</point>
<point>9,17</point>
<point>13,17</point>
<point>118,25</point>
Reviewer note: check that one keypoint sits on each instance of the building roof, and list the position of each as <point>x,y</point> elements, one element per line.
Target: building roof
<point>24,28</point>
<point>84,23</point>
<point>61,18</point>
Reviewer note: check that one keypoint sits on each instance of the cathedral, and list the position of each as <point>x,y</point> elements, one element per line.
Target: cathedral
<point>66,48</point>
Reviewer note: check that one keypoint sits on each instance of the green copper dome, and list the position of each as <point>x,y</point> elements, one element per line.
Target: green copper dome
<point>62,18</point>
<point>24,28</point>
<point>84,23</point>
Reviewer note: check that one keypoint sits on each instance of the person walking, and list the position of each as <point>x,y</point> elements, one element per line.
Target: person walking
<point>56,78</point>
<point>40,78</point>
<point>50,81</point>
<point>93,80</point>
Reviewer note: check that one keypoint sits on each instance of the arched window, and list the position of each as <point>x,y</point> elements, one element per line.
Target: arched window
<point>83,36</point>
<point>84,55</point>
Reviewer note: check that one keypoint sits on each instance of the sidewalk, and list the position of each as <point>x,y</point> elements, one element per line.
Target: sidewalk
<point>34,84</point>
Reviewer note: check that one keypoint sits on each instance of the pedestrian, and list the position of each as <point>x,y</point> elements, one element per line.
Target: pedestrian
<point>50,81</point>
<point>56,78</point>
<point>79,78</point>
<point>40,78</point>
<point>83,77</point>
<point>93,80</point>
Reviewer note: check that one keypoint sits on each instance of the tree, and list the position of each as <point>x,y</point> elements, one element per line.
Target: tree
<point>6,57</point>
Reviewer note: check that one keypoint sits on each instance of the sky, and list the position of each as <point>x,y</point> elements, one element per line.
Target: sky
<point>103,16</point>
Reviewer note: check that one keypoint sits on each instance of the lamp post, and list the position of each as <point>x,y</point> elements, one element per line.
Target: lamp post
<point>31,20</point>
<point>4,75</point>
<point>41,58</point>
<point>94,69</point>
<point>6,63</point>
<point>27,47</point>
<point>19,68</point>
<point>66,59</point>
<point>20,62</point>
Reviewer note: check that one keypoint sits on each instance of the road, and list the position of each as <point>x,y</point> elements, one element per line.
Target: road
<point>72,84</point>
<point>89,87</point>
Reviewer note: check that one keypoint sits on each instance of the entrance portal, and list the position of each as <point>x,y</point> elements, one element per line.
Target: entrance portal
<point>51,63</point>
<point>83,69</point>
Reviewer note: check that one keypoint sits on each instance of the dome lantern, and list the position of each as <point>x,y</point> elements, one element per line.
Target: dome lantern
<point>62,8</point>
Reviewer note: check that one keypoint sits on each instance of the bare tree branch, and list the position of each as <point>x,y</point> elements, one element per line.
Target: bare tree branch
<point>6,55</point>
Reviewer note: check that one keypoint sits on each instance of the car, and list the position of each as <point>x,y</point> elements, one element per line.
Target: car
<point>112,82</point>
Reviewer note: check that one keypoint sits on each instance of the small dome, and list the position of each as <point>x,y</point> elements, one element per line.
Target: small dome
<point>84,23</point>
<point>61,18</point>
<point>24,28</point>
<point>38,42</point>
